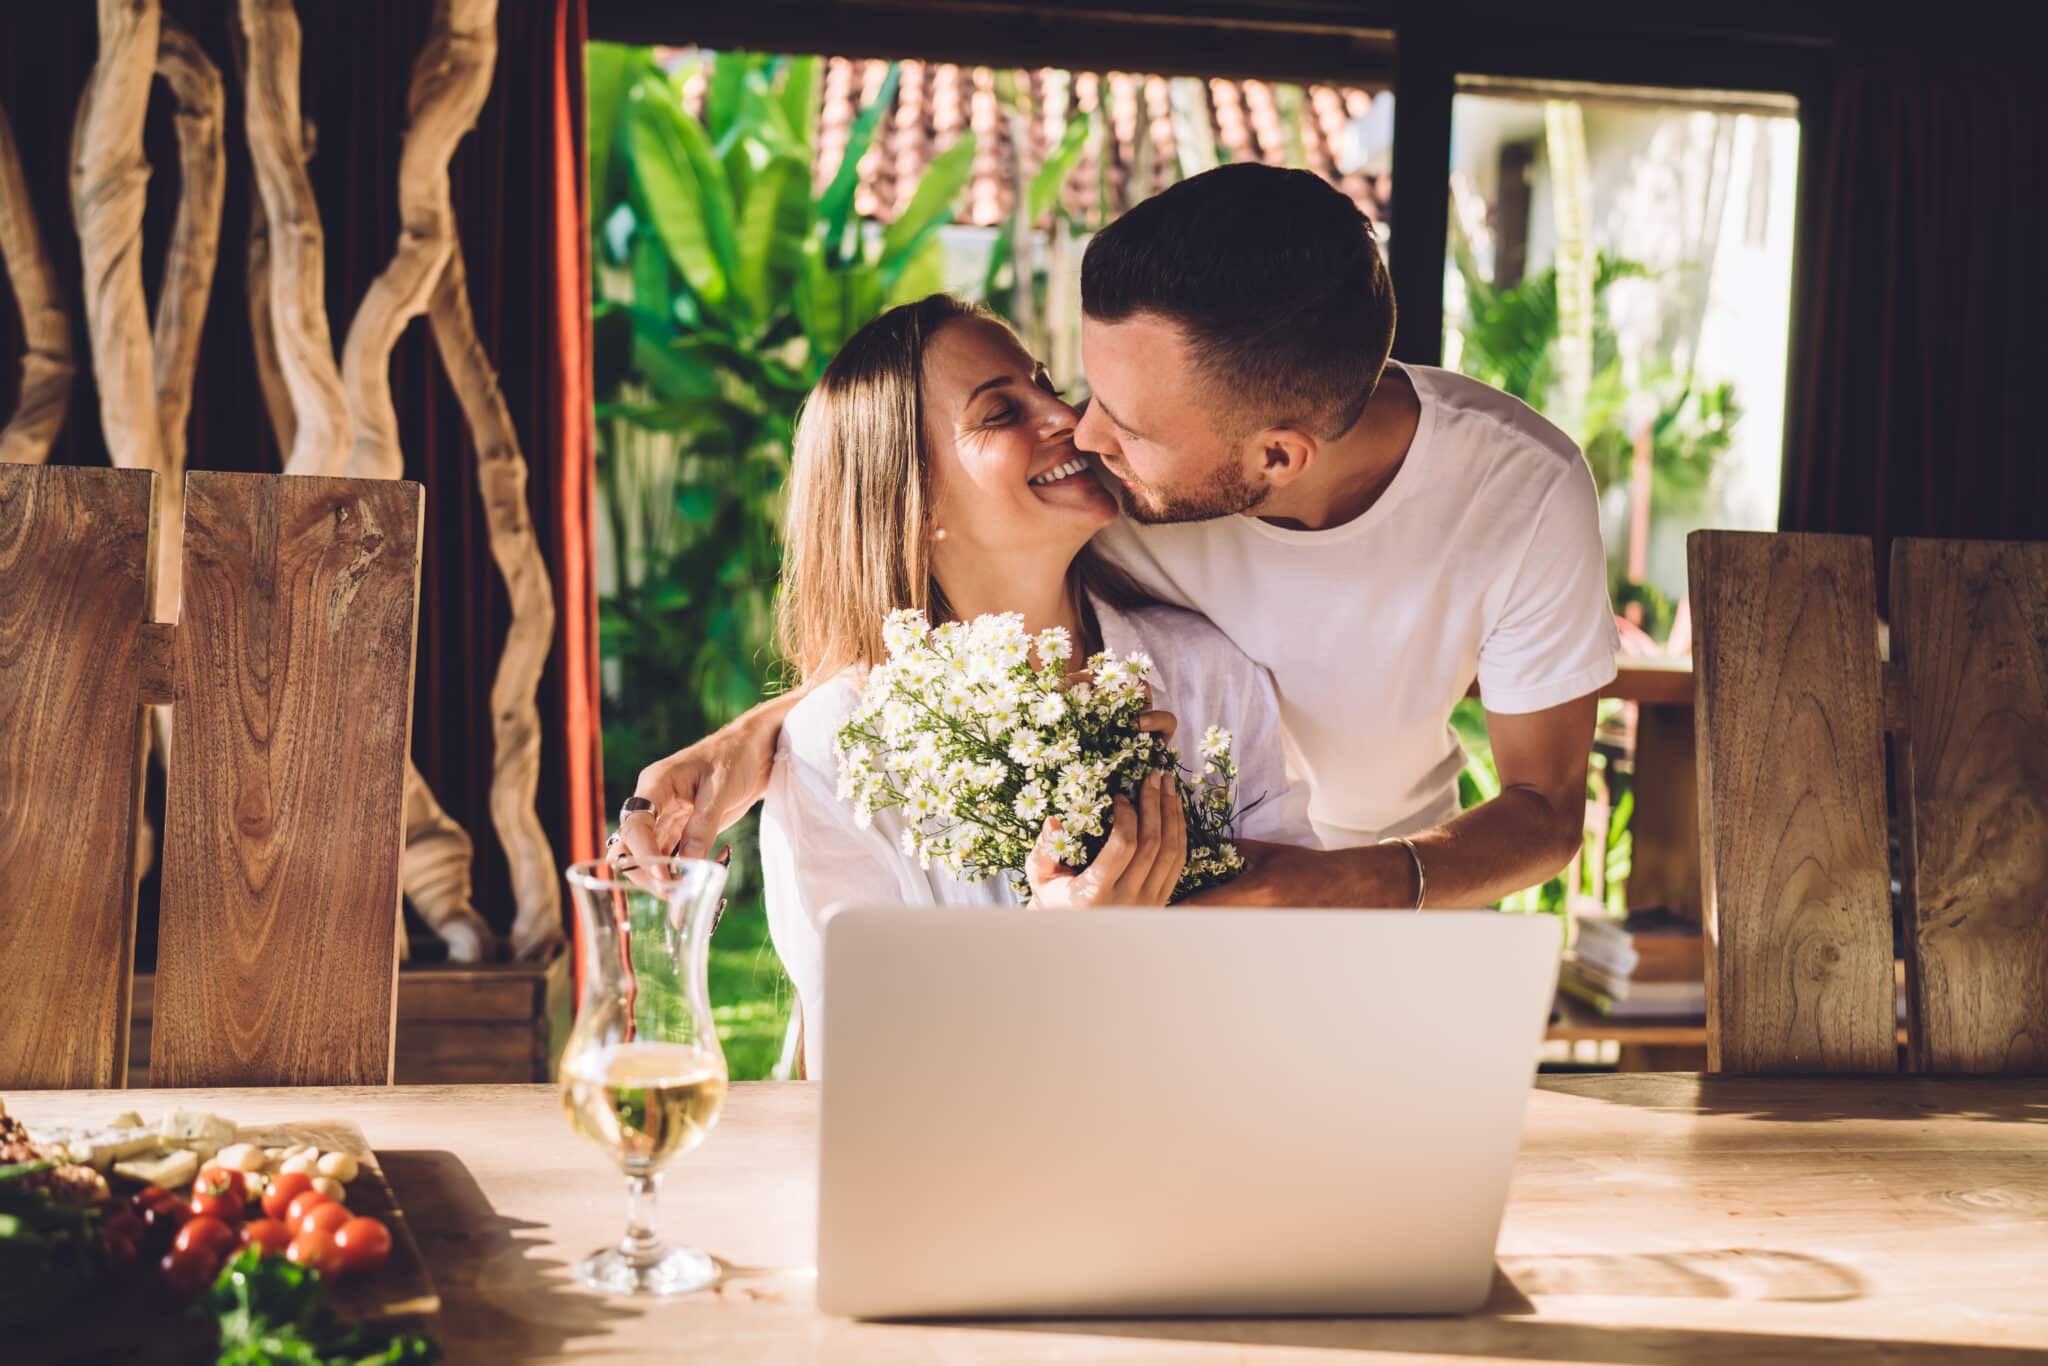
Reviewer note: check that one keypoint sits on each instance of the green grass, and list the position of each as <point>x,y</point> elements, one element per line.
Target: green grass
<point>750,994</point>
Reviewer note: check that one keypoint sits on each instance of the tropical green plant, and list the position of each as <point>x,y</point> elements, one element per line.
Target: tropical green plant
<point>724,284</point>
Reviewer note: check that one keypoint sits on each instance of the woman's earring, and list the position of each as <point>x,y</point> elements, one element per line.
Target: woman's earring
<point>938,533</point>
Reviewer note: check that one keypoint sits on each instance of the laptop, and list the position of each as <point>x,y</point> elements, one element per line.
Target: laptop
<point>1163,1112</point>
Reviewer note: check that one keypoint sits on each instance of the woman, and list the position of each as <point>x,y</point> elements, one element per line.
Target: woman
<point>935,468</point>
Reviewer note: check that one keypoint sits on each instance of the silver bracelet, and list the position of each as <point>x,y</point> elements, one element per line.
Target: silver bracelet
<point>1421,873</point>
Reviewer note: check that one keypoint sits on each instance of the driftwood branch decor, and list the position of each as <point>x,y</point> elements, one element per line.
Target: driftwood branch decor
<point>277,397</point>
<point>298,248</point>
<point>194,251</point>
<point>515,721</point>
<point>109,179</point>
<point>46,367</point>
<point>449,82</point>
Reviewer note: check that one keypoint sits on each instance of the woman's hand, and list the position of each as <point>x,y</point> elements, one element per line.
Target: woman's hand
<point>1140,863</point>
<point>699,791</point>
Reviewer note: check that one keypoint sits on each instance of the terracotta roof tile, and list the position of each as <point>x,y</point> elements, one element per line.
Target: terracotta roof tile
<point>935,101</point>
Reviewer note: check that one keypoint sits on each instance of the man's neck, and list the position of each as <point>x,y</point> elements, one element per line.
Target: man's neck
<point>1353,472</point>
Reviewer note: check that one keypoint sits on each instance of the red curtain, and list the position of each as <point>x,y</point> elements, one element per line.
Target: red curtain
<point>520,203</point>
<point>1924,326</point>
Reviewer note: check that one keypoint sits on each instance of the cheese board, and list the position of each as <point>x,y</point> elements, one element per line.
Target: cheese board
<point>194,1174</point>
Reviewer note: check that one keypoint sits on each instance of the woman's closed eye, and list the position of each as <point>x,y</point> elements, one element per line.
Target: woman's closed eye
<point>999,414</point>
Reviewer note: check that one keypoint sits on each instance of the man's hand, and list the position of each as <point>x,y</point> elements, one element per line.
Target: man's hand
<point>1284,875</point>
<point>1516,840</point>
<point>699,791</point>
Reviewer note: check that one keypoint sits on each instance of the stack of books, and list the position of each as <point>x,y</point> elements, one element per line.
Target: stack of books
<point>1650,966</point>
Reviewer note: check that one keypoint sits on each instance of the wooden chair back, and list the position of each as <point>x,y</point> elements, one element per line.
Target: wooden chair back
<point>1970,650</point>
<point>289,678</point>
<point>1793,702</point>
<point>77,574</point>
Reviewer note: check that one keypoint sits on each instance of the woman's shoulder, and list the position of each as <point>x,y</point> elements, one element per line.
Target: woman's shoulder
<point>1170,634</point>
<point>811,730</point>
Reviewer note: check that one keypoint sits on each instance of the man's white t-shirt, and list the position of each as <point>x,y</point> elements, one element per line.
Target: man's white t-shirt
<point>1481,559</point>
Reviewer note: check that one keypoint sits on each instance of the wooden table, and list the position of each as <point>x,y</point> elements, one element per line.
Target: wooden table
<point>1654,1218</point>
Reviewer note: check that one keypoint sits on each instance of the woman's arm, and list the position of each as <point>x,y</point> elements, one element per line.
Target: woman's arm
<point>701,790</point>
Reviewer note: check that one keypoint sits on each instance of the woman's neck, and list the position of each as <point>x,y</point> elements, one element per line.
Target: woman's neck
<point>1045,595</point>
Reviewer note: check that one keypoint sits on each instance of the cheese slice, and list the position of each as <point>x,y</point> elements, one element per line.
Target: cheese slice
<point>203,1133</point>
<point>97,1147</point>
<point>168,1170</point>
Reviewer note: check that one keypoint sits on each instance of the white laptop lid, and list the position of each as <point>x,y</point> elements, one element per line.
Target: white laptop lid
<point>1172,1112</point>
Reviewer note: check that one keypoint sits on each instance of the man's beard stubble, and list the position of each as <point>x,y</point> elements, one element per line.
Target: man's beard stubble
<point>1225,493</point>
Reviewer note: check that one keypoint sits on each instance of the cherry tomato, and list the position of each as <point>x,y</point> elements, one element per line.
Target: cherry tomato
<point>125,1234</point>
<point>324,1217</point>
<point>215,1179</point>
<point>158,1206</point>
<point>279,1194</point>
<point>316,1248</point>
<point>270,1235</point>
<point>126,1225</point>
<point>300,1203</point>
<point>364,1244</point>
<point>205,1231</point>
<point>226,1208</point>
<point>186,1272</point>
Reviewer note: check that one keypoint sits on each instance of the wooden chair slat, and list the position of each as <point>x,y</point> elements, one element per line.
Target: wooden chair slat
<point>278,957</point>
<point>1795,872</point>
<point>77,569</point>
<point>1970,639</point>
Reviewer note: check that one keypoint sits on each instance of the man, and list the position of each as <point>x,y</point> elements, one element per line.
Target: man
<point>1376,535</point>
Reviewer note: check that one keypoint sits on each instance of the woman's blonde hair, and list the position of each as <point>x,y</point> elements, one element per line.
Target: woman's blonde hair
<point>858,545</point>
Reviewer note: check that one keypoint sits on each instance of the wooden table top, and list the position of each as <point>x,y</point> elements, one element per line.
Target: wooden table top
<point>1654,1218</point>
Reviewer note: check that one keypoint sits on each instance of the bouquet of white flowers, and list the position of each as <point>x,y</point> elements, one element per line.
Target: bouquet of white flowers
<point>977,745</point>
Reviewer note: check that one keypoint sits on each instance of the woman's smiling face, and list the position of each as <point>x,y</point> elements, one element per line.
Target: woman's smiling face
<point>1005,472</point>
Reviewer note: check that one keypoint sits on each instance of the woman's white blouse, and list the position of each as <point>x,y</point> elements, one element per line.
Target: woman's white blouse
<point>816,857</point>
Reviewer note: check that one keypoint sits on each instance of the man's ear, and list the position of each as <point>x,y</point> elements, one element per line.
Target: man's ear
<point>1281,455</point>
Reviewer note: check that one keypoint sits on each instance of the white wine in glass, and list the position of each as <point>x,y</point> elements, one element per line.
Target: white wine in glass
<point>644,1102</point>
<point>642,1075</point>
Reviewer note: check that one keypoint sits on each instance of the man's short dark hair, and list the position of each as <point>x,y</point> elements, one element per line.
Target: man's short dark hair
<point>1276,280</point>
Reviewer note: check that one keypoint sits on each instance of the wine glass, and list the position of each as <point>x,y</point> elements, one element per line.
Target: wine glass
<point>642,1075</point>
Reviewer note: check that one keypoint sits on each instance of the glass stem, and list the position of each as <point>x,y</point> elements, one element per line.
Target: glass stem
<point>642,1245</point>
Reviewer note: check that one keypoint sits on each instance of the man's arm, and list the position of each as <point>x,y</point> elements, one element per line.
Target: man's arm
<point>697,792</point>
<point>1518,839</point>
